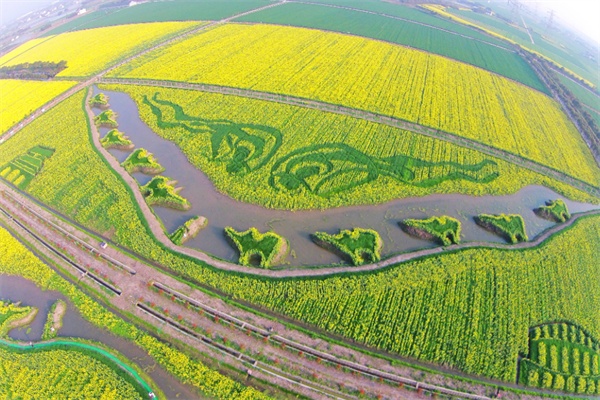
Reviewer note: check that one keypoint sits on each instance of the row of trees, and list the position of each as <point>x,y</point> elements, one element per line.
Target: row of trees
<point>34,70</point>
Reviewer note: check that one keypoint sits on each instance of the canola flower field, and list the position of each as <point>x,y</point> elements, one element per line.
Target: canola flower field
<point>445,316</point>
<point>90,51</point>
<point>278,163</point>
<point>378,77</point>
<point>64,373</point>
<point>470,310</point>
<point>20,98</point>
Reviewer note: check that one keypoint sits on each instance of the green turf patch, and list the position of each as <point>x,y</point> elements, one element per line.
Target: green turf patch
<point>21,170</point>
<point>258,249</point>
<point>444,229</point>
<point>116,139</point>
<point>161,191</point>
<point>554,210</point>
<point>141,160</point>
<point>107,118</point>
<point>100,100</point>
<point>511,227</point>
<point>188,230</point>
<point>358,246</point>
<point>160,11</point>
<point>562,356</point>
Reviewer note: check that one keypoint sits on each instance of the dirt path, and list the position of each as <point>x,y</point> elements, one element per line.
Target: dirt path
<point>372,117</point>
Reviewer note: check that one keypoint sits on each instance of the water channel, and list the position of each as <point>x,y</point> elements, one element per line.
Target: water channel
<point>296,226</point>
<point>15,289</point>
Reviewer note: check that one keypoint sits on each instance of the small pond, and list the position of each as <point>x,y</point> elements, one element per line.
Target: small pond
<point>297,226</point>
<point>15,289</point>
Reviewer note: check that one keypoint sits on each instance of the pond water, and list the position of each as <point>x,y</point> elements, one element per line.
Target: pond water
<point>15,289</point>
<point>296,226</point>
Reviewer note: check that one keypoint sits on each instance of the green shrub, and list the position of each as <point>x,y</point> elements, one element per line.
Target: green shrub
<point>99,100</point>
<point>554,210</point>
<point>511,227</point>
<point>141,160</point>
<point>359,246</point>
<point>116,139</point>
<point>107,118</point>
<point>444,229</point>
<point>160,191</point>
<point>255,248</point>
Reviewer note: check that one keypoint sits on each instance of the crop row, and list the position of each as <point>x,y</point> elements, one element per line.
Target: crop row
<point>21,170</point>
<point>378,77</point>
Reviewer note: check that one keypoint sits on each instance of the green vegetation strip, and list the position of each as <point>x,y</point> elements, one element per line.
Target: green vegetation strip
<point>72,345</point>
<point>444,229</point>
<point>177,10</point>
<point>359,246</point>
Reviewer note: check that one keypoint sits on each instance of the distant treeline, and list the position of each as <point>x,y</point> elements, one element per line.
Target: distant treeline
<point>35,70</point>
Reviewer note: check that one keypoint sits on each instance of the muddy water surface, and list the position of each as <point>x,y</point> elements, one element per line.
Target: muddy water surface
<point>16,289</point>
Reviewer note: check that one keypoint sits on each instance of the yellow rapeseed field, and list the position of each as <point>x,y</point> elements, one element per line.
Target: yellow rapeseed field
<point>90,51</point>
<point>19,98</point>
<point>380,77</point>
